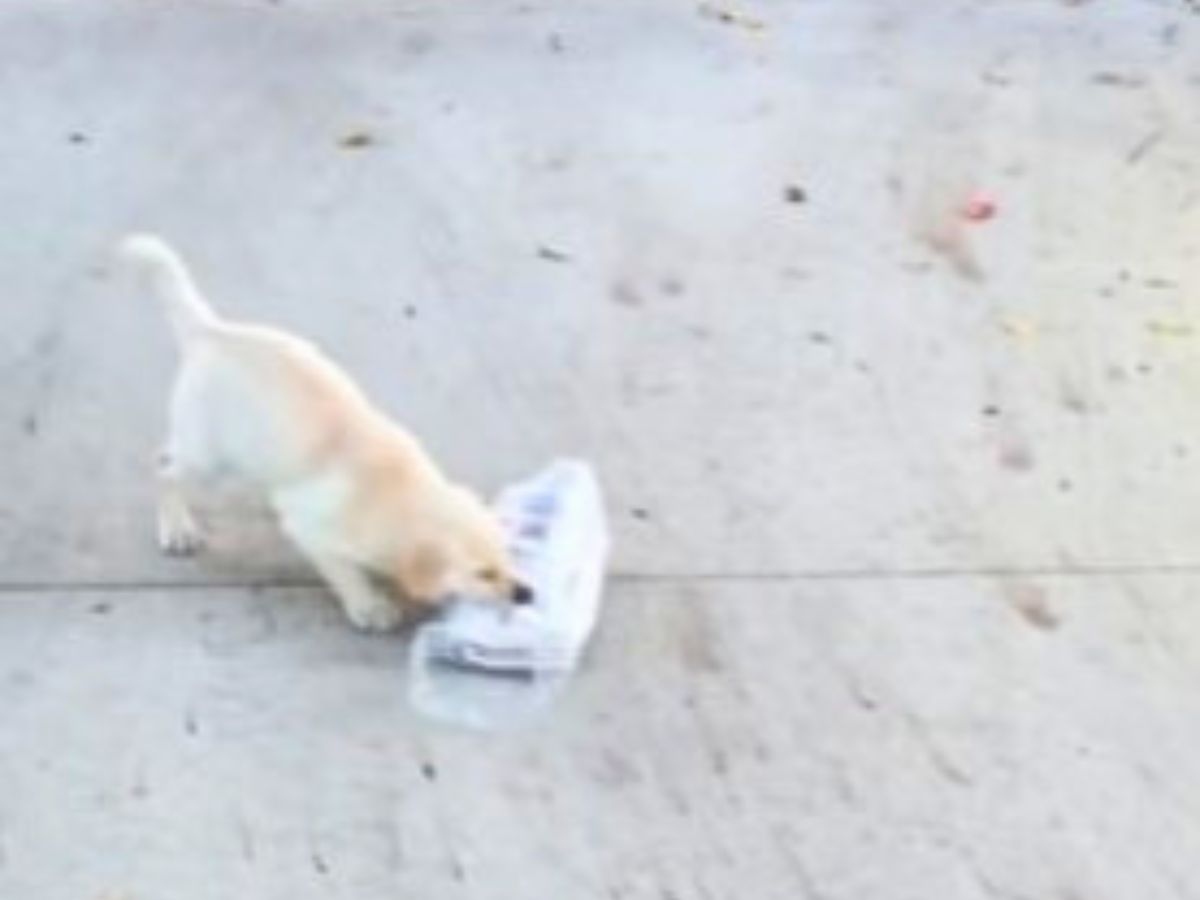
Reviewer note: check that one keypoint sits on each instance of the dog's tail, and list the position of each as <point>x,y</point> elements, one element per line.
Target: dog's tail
<point>191,317</point>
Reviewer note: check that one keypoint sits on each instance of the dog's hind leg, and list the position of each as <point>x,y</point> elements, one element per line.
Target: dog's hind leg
<point>178,533</point>
<point>186,457</point>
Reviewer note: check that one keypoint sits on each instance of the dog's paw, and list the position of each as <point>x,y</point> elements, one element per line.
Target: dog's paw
<point>381,616</point>
<point>179,537</point>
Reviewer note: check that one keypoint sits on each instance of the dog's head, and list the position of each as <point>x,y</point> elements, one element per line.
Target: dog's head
<point>468,557</point>
<point>488,566</point>
<point>498,583</point>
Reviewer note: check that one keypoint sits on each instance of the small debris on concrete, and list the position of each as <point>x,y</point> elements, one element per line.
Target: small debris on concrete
<point>1073,399</point>
<point>1030,601</point>
<point>1160,284</point>
<point>626,294</point>
<point>552,255</point>
<point>1160,328</point>
<point>949,240</point>
<point>1118,79</point>
<point>943,215</point>
<point>1016,457</point>
<point>1142,148</point>
<point>793,193</point>
<point>77,137</point>
<point>1018,328</point>
<point>672,287</point>
<point>979,207</point>
<point>728,16</point>
<point>640,513</point>
<point>419,43</point>
<point>357,140</point>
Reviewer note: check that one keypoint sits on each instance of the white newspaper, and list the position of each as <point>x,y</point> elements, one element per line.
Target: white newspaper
<point>485,665</point>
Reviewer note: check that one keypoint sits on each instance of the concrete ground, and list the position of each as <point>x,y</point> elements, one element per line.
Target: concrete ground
<point>908,520</point>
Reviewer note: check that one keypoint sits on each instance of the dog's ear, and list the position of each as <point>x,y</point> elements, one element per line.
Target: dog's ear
<point>424,573</point>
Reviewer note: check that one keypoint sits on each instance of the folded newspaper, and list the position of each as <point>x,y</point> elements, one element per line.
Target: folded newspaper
<point>483,665</point>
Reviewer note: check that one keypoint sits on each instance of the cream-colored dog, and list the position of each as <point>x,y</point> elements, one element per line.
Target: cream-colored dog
<point>355,492</point>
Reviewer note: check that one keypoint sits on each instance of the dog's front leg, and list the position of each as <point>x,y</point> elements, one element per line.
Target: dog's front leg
<point>366,606</point>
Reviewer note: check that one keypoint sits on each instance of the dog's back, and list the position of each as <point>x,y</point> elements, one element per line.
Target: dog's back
<point>271,405</point>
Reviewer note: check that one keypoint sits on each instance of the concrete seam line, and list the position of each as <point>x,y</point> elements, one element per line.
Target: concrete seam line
<point>33,586</point>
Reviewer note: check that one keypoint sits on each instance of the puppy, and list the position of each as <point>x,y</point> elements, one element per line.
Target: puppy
<point>356,493</point>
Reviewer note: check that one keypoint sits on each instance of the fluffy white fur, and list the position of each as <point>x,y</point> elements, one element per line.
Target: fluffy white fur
<point>354,491</point>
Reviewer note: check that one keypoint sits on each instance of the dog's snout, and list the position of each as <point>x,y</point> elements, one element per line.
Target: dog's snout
<point>522,594</point>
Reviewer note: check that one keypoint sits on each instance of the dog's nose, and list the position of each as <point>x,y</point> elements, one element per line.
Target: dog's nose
<point>522,594</point>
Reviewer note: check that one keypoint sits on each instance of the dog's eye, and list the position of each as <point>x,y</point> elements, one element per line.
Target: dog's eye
<point>489,575</point>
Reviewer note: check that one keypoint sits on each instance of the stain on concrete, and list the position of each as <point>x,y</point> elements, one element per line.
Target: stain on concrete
<point>1030,601</point>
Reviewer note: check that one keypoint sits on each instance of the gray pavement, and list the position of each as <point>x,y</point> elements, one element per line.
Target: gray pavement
<point>905,506</point>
